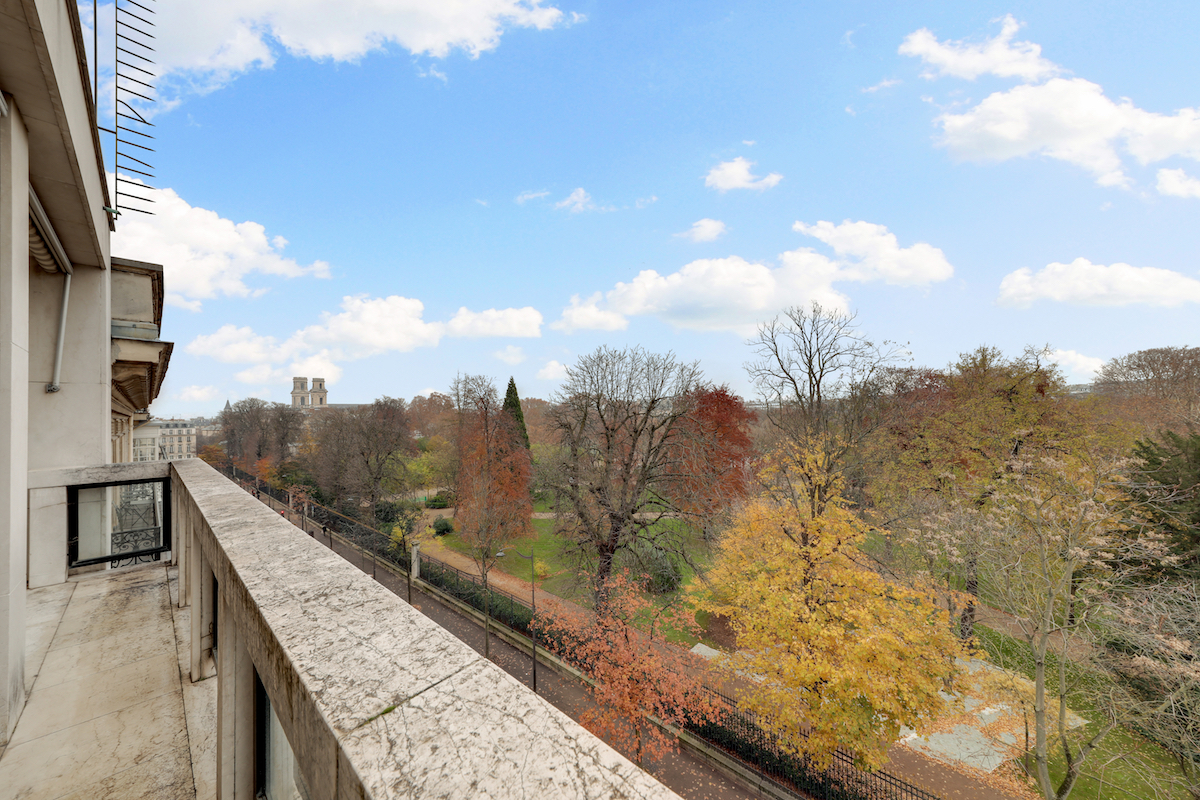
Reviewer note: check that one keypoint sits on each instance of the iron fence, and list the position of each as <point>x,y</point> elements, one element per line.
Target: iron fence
<point>737,732</point>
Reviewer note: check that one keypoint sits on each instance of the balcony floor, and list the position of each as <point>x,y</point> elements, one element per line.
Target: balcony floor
<point>112,712</point>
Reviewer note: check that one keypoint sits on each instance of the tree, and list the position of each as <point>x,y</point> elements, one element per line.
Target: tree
<point>1067,549</point>
<point>1153,646</point>
<point>255,430</point>
<point>841,657</point>
<point>353,453</point>
<point>619,416</point>
<point>822,383</point>
<point>958,437</point>
<point>1168,481</point>
<point>1169,375</point>
<point>635,673</point>
<point>512,405</point>
<point>494,477</point>
<point>379,434</point>
<point>714,454</point>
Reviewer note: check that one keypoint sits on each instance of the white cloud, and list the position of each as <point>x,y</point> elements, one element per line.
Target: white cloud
<point>886,83</point>
<point>587,315</point>
<point>483,203</point>
<point>734,294</point>
<point>579,201</point>
<point>553,371</point>
<point>749,142</point>
<point>877,255</point>
<point>1083,283</point>
<point>512,355</point>
<point>704,230</point>
<point>432,72</point>
<point>233,345</point>
<point>736,175</point>
<point>204,255</point>
<point>1177,183</point>
<point>643,202</point>
<point>197,394</point>
<point>202,46</point>
<point>1080,365</point>
<point>525,197</point>
<point>999,55</point>
<point>366,326</point>
<point>518,322</point>
<point>1069,119</point>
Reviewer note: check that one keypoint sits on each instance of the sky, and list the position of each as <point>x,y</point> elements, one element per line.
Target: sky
<point>386,193</point>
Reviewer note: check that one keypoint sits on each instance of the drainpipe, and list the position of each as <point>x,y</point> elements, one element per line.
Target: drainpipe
<point>53,386</point>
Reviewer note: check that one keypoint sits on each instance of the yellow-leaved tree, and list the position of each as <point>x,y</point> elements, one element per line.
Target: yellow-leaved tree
<point>838,657</point>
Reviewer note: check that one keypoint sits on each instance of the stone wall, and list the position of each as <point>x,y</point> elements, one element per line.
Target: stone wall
<point>375,699</point>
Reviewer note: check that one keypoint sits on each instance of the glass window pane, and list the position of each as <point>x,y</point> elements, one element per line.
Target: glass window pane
<point>119,520</point>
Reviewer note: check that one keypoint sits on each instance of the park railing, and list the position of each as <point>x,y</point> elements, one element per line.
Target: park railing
<point>734,731</point>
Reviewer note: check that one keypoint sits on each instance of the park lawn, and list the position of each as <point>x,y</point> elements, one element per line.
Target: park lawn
<point>1109,765</point>
<point>563,579</point>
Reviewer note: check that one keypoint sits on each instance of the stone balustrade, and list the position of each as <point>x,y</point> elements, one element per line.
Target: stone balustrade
<point>374,699</point>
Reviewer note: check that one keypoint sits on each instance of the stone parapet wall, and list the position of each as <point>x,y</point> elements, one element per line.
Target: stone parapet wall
<point>376,700</point>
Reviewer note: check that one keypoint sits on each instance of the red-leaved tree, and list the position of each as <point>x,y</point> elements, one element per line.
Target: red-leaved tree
<point>714,453</point>
<point>495,471</point>
<point>635,672</point>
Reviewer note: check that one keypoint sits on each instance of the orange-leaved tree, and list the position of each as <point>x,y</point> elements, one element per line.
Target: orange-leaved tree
<point>493,483</point>
<point>841,657</point>
<point>635,673</point>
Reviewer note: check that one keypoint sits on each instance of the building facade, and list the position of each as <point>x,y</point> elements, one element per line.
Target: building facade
<point>303,397</point>
<point>80,355</point>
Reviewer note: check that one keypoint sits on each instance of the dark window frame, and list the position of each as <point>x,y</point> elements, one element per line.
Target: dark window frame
<point>73,561</point>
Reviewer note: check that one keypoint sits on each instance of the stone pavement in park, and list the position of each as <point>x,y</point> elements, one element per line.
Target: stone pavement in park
<point>682,772</point>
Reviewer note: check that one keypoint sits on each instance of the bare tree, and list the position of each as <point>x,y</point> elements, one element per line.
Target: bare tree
<point>1170,375</point>
<point>618,416</point>
<point>353,452</point>
<point>822,383</point>
<point>255,429</point>
<point>380,434</point>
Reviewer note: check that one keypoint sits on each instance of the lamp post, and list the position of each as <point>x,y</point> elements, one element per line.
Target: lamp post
<point>533,604</point>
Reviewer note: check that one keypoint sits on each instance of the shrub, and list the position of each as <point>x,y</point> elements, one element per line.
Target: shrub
<point>440,500</point>
<point>659,569</point>
<point>442,526</point>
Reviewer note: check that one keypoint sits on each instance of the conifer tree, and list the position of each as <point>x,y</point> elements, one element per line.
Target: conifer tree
<point>512,404</point>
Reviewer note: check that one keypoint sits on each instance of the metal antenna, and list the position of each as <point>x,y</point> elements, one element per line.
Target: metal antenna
<point>133,55</point>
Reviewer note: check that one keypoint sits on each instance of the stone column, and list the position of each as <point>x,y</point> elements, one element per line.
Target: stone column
<point>14,410</point>
<point>200,589</point>
<point>235,713</point>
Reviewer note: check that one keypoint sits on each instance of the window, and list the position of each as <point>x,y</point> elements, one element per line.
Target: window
<point>276,773</point>
<point>118,522</point>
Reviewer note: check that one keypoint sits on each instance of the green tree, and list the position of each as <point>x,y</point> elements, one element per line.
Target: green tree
<point>1170,475</point>
<point>512,404</point>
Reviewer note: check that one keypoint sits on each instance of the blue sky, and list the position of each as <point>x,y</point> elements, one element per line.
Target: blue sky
<point>386,194</point>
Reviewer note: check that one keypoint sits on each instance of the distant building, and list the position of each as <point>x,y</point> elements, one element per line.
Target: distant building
<point>166,440</point>
<point>302,397</point>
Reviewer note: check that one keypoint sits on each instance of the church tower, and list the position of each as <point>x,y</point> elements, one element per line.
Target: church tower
<point>300,396</point>
<point>319,396</point>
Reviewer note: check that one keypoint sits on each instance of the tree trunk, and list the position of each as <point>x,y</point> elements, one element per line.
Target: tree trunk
<point>487,618</point>
<point>967,621</point>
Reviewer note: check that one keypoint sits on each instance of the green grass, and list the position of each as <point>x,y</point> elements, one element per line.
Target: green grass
<point>565,579</point>
<point>1124,764</point>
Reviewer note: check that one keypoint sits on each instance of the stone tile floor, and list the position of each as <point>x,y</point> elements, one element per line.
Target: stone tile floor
<point>112,712</point>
